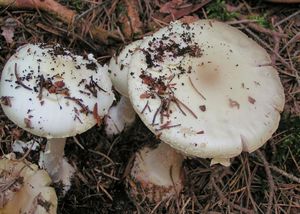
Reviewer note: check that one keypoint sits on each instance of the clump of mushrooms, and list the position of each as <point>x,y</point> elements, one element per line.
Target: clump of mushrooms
<point>52,93</point>
<point>206,89</point>
<point>25,188</point>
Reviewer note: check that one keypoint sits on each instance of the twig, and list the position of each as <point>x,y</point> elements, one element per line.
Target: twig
<point>276,48</point>
<point>26,153</point>
<point>270,181</point>
<point>65,14</point>
<point>254,25</point>
<point>198,92</point>
<point>284,173</point>
<point>19,80</point>
<point>292,40</point>
<point>282,60</point>
<point>225,200</point>
<point>287,18</point>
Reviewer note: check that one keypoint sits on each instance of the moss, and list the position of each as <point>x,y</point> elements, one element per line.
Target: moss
<point>78,5</point>
<point>289,141</point>
<point>261,20</point>
<point>217,10</point>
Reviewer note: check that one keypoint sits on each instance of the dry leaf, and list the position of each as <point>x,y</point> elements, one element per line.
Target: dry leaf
<point>8,30</point>
<point>171,6</point>
<point>8,34</point>
<point>189,19</point>
<point>131,23</point>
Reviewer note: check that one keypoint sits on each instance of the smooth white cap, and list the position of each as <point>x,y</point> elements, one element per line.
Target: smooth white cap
<point>119,67</point>
<point>77,91</point>
<point>31,187</point>
<point>206,89</point>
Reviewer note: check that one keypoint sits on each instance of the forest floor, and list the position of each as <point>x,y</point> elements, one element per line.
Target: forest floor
<point>266,181</point>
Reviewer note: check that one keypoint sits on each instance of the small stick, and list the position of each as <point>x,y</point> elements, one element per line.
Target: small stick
<point>186,107</point>
<point>284,173</point>
<point>65,14</point>
<point>287,18</point>
<point>270,180</point>
<point>198,92</point>
<point>19,80</point>
<point>223,198</point>
<point>288,66</point>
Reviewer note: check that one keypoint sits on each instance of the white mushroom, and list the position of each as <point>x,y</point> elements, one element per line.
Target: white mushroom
<point>206,89</point>
<point>156,174</point>
<point>53,93</point>
<point>25,188</point>
<point>119,117</point>
<point>119,67</point>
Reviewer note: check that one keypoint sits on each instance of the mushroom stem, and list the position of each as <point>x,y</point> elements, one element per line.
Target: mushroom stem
<point>156,173</point>
<point>119,117</point>
<point>56,165</point>
<point>53,157</point>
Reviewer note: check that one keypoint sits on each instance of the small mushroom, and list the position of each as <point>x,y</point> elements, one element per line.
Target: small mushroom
<point>25,188</point>
<point>206,89</point>
<point>119,67</point>
<point>53,93</point>
<point>156,174</point>
<point>119,117</point>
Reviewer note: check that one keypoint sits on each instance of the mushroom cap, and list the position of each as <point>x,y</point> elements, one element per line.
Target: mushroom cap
<point>119,67</point>
<point>53,93</point>
<point>206,89</point>
<point>156,173</point>
<point>30,193</point>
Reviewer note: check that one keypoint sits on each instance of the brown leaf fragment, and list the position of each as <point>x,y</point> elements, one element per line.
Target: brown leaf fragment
<point>146,95</point>
<point>130,19</point>
<point>27,123</point>
<point>233,104</point>
<point>8,29</point>
<point>59,84</point>
<point>251,100</point>
<point>96,115</point>
<point>170,7</point>
<point>189,19</point>
<point>185,11</point>
<point>8,33</point>
<point>5,100</point>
